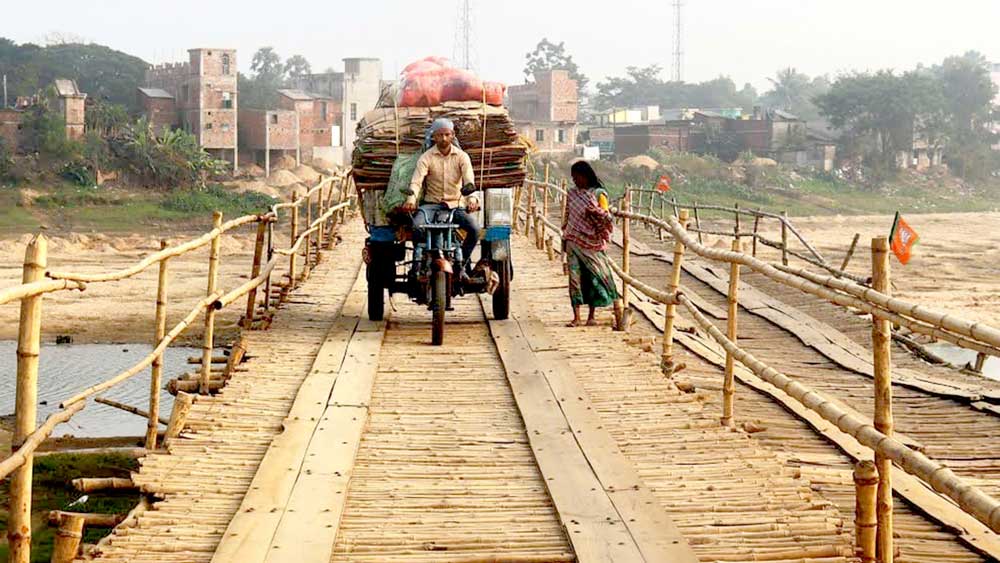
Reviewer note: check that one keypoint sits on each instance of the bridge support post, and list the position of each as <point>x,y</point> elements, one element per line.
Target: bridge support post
<point>25,410</point>
<point>531,209</point>
<point>673,284</point>
<point>850,252</point>
<point>733,302</point>
<point>663,215</point>
<point>294,234</point>
<point>68,538</point>
<point>697,224</point>
<point>545,196</point>
<point>562,221</point>
<point>784,238</point>
<point>881,342</point>
<point>270,255</point>
<point>307,263</point>
<point>258,255</point>
<point>865,522</point>
<point>516,214</point>
<point>756,228</point>
<point>624,321</point>
<point>320,210</point>
<point>208,344</point>
<point>156,370</point>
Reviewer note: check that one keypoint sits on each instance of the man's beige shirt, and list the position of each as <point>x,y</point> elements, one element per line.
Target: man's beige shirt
<point>445,175</point>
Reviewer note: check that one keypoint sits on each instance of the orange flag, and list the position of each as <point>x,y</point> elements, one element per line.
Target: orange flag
<point>664,184</point>
<point>901,239</point>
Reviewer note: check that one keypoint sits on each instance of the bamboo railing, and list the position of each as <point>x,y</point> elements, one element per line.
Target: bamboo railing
<point>36,282</point>
<point>874,507</point>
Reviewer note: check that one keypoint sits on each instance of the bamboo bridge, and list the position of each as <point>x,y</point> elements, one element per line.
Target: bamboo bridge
<point>741,410</point>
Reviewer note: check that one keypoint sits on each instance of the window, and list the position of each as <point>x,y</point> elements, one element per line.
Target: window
<point>208,126</point>
<point>274,119</point>
<point>354,111</point>
<point>225,64</point>
<point>227,100</point>
<point>562,136</point>
<point>539,135</point>
<point>322,111</point>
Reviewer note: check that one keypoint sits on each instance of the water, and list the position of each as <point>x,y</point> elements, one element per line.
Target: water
<point>961,356</point>
<point>69,368</point>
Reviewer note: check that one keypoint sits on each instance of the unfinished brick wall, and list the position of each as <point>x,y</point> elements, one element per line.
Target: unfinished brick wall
<point>160,112</point>
<point>10,127</point>
<point>254,124</point>
<point>73,112</point>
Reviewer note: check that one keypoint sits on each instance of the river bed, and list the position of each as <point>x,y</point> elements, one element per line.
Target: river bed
<point>67,368</point>
<point>961,356</point>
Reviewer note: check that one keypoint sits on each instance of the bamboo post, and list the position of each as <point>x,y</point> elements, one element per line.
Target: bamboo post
<point>980,362</point>
<point>320,207</point>
<point>307,244</point>
<point>531,210</point>
<point>270,255</point>
<point>850,252</point>
<point>663,214</point>
<point>729,383</point>
<point>68,538</point>
<point>736,210</point>
<point>784,238</point>
<point>564,203</point>
<point>208,342</point>
<point>549,248</point>
<point>756,227</point>
<point>865,522</point>
<point>517,208</point>
<point>649,209</point>
<point>182,406</point>
<point>545,199</point>
<point>697,223</point>
<point>25,410</point>
<point>676,211</point>
<point>624,322</point>
<point>291,241</point>
<point>673,284</point>
<point>881,341</point>
<point>258,255</point>
<point>157,367</point>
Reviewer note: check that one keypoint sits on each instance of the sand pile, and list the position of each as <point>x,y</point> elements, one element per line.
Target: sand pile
<point>640,161</point>
<point>282,179</point>
<point>306,174</point>
<point>325,166</point>
<point>253,171</point>
<point>256,186</point>
<point>284,162</point>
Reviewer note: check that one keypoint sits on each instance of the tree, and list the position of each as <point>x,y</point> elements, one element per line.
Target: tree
<point>551,56</point>
<point>267,62</point>
<point>297,66</point>
<point>794,91</point>
<point>643,86</point>
<point>967,93</point>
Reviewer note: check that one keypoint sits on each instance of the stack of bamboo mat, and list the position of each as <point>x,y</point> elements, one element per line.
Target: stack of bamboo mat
<point>497,157</point>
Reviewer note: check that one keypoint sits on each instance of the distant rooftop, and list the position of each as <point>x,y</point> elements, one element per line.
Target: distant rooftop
<point>67,88</point>
<point>156,93</point>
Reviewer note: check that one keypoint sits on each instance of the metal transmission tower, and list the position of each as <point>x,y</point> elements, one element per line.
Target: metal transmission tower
<point>464,53</point>
<point>678,70</point>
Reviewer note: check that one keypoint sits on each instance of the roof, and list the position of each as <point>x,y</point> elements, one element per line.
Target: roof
<point>820,135</point>
<point>708,113</point>
<point>295,94</point>
<point>156,93</point>
<point>67,88</point>
<point>785,115</point>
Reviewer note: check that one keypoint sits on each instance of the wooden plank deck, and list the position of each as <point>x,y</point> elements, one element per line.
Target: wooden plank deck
<point>206,472</point>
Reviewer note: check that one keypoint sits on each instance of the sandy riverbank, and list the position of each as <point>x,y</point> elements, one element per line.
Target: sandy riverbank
<point>955,266</point>
<point>122,311</point>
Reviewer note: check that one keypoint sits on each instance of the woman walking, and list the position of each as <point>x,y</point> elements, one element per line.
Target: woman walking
<point>586,231</point>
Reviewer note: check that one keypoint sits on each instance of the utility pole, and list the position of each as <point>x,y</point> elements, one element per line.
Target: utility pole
<point>678,70</point>
<point>5,106</point>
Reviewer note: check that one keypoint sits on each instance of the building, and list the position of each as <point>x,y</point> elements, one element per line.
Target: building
<point>270,134</point>
<point>70,102</point>
<point>631,140</point>
<point>318,117</point>
<point>159,108</point>
<point>204,91</point>
<point>349,95</point>
<point>546,110</point>
<point>10,128</point>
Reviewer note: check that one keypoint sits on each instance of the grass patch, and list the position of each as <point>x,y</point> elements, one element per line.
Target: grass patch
<point>68,197</point>
<point>52,491</point>
<point>217,198</point>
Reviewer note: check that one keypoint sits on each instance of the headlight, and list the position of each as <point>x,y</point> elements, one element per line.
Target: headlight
<point>498,206</point>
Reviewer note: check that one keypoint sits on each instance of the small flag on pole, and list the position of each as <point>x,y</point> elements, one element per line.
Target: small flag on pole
<point>901,239</point>
<point>664,184</point>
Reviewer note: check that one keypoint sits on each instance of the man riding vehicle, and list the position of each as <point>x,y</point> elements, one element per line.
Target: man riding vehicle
<point>444,180</point>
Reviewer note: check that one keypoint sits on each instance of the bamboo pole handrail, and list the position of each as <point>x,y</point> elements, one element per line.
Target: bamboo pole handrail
<point>887,302</point>
<point>148,360</point>
<point>38,288</point>
<point>313,227</point>
<point>833,270</point>
<point>972,500</point>
<point>156,257</point>
<point>229,298</point>
<point>35,439</point>
<point>895,310</point>
<point>641,287</point>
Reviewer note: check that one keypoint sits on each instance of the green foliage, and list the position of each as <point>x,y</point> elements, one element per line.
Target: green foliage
<point>297,66</point>
<point>6,160</point>
<point>216,197</point>
<point>101,72</point>
<point>643,86</point>
<point>44,132</point>
<point>550,56</point>
<point>172,160</point>
<point>107,119</point>
<point>794,92</point>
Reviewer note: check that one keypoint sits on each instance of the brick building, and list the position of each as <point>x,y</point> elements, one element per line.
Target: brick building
<point>269,134</point>
<point>204,90</point>
<point>159,108</point>
<point>319,116</point>
<point>70,103</point>
<point>350,94</point>
<point>546,110</point>
<point>64,98</point>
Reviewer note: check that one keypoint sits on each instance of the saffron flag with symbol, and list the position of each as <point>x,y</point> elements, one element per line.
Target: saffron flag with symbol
<point>902,237</point>
<point>664,184</point>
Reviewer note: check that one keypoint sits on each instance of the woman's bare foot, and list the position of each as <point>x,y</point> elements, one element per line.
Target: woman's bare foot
<point>573,323</point>
<point>591,321</point>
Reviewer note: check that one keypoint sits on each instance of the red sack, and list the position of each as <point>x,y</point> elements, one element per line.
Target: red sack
<point>432,81</point>
<point>426,64</point>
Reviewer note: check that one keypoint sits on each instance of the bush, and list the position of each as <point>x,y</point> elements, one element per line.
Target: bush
<point>172,160</point>
<point>6,160</point>
<point>217,198</point>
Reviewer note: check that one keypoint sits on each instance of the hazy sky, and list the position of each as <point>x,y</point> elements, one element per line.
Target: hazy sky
<point>744,39</point>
